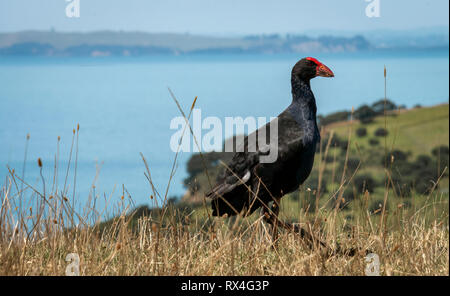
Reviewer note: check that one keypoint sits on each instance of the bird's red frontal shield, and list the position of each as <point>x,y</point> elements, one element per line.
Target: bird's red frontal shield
<point>321,69</point>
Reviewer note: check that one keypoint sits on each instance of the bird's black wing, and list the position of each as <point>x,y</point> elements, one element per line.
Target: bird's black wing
<point>234,183</point>
<point>236,173</point>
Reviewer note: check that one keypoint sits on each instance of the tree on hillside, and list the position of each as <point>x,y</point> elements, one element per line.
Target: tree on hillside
<point>373,142</point>
<point>361,132</point>
<point>333,117</point>
<point>381,132</point>
<point>365,114</point>
<point>381,105</point>
<point>441,155</point>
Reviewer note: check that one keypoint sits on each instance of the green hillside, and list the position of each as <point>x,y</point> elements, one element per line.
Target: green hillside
<point>416,130</point>
<point>412,166</point>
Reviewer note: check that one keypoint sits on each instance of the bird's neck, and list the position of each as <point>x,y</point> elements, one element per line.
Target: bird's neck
<point>303,109</point>
<point>303,97</point>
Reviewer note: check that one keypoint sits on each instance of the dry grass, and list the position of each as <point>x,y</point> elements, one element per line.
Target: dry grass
<point>221,247</point>
<point>176,241</point>
<point>173,241</point>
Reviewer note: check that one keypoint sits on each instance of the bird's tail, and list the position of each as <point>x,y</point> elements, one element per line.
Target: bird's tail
<point>230,203</point>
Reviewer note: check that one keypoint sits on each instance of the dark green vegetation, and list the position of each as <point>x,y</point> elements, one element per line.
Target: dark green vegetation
<point>365,113</point>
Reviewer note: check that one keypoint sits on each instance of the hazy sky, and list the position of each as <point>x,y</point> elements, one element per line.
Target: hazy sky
<point>221,16</point>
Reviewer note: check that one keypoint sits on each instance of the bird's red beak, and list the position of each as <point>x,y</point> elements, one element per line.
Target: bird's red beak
<point>324,71</point>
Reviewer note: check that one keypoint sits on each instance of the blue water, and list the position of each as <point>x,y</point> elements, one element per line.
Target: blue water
<point>124,108</point>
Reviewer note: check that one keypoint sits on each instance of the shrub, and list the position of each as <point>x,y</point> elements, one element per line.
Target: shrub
<point>352,163</point>
<point>361,132</point>
<point>440,151</point>
<point>423,187</point>
<point>406,204</point>
<point>423,161</point>
<point>328,159</point>
<point>381,105</point>
<point>333,117</point>
<point>399,157</point>
<point>172,200</point>
<point>381,132</point>
<point>361,183</point>
<point>372,156</point>
<point>336,142</point>
<point>348,196</point>
<point>424,178</point>
<point>402,185</point>
<point>404,168</point>
<point>441,155</point>
<point>404,190</point>
<point>197,164</point>
<point>365,114</point>
<point>343,144</point>
<point>364,183</point>
<point>373,142</point>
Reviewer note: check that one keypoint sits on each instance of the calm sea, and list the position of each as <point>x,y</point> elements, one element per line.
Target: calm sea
<point>123,107</point>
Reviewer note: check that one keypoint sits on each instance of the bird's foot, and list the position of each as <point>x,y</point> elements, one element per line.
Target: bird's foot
<point>269,218</point>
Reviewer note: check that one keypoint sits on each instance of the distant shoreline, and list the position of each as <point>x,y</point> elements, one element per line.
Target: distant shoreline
<point>135,44</point>
<point>391,52</point>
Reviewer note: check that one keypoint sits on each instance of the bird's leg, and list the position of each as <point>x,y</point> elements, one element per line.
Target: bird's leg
<point>271,217</point>
<point>275,209</point>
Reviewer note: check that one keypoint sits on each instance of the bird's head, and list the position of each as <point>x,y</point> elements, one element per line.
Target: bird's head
<point>308,68</point>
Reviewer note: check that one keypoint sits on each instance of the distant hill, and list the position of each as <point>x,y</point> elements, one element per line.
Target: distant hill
<point>417,38</point>
<point>104,43</point>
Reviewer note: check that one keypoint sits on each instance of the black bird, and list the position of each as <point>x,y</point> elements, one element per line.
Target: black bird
<point>247,183</point>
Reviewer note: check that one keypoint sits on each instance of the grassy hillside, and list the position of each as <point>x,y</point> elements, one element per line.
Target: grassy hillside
<point>413,133</point>
<point>366,182</point>
<point>415,130</point>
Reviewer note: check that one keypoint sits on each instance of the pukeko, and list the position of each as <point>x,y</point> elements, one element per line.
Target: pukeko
<point>247,183</point>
